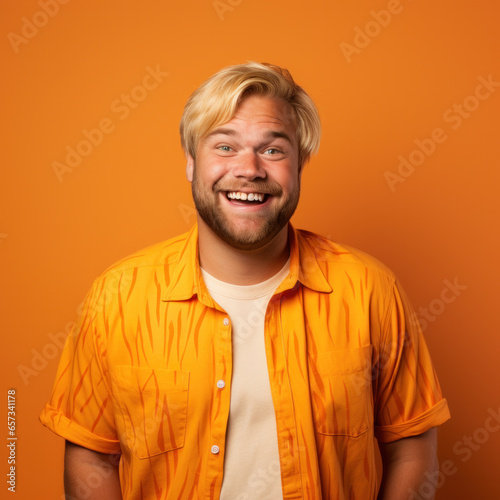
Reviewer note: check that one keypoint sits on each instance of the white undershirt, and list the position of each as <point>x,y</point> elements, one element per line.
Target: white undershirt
<point>251,462</point>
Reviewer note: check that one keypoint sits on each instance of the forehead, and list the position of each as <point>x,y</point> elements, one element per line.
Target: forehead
<point>257,114</point>
<point>265,110</point>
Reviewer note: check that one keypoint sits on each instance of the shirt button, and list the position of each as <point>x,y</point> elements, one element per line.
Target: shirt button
<point>215,449</point>
<point>221,384</point>
<point>226,321</point>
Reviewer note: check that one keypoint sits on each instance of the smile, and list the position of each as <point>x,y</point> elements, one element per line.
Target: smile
<point>238,195</point>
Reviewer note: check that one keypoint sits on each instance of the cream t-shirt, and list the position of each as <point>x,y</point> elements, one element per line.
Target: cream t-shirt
<point>251,461</point>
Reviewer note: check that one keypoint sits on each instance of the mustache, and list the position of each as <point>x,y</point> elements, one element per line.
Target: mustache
<point>263,186</point>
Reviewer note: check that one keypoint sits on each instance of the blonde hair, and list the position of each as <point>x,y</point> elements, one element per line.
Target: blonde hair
<point>215,101</point>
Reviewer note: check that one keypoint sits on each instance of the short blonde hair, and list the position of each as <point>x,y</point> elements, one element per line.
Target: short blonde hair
<point>215,102</point>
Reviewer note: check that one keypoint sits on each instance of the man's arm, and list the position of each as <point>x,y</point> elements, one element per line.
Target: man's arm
<point>405,463</point>
<point>90,475</point>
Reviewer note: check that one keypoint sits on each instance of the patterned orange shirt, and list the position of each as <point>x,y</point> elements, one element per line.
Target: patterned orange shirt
<point>141,372</point>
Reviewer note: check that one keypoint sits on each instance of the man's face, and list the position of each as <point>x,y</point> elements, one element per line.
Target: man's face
<point>246,177</point>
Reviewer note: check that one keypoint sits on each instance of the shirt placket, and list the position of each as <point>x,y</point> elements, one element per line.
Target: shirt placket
<point>220,404</point>
<point>283,402</point>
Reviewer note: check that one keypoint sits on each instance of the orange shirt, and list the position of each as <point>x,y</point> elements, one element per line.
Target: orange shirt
<point>140,372</point>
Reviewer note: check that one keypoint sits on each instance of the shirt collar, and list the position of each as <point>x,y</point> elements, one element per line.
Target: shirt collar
<point>304,265</point>
<point>186,279</point>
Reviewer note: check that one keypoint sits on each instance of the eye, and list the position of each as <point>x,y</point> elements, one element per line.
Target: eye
<point>224,148</point>
<point>272,151</point>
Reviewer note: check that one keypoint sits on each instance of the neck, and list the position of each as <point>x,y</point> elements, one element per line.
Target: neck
<point>241,267</point>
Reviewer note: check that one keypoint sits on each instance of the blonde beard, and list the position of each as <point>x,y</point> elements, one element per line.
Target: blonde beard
<point>213,217</point>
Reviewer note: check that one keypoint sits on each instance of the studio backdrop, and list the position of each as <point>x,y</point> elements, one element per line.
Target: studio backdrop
<point>408,171</point>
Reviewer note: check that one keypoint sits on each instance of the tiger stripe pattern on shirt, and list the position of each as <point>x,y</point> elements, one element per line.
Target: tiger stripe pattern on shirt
<point>348,365</point>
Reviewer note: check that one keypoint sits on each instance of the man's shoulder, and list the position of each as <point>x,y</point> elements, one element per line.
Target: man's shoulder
<point>339,255</point>
<point>159,254</point>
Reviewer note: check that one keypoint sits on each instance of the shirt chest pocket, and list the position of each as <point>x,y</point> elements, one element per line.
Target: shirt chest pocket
<point>341,391</point>
<point>153,406</point>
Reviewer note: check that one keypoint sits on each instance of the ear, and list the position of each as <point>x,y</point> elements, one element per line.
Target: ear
<point>190,168</point>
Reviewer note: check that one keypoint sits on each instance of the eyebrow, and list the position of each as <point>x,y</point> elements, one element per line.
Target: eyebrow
<point>270,133</point>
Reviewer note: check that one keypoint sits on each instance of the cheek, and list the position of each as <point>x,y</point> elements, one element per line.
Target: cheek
<point>288,180</point>
<point>211,170</point>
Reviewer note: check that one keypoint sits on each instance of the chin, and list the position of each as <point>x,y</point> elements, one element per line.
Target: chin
<point>247,240</point>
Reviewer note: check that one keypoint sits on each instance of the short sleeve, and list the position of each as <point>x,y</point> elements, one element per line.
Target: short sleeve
<point>408,398</point>
<point>80,408</point>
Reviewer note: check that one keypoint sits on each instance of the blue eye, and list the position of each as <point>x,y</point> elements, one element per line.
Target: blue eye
<point>224,148</point>
<point>277,151</point>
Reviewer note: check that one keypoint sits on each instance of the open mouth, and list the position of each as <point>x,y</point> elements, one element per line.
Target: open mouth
<point>251,198</point>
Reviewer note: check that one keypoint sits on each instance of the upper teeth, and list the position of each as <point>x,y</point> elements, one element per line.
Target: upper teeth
<point>237,195</point>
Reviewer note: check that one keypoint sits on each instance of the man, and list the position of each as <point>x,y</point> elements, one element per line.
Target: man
<point>247,359</point>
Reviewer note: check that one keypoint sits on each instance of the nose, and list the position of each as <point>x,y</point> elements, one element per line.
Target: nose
<point>249,166</point>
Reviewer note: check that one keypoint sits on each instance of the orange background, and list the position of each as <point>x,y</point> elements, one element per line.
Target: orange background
<point>130,191</point>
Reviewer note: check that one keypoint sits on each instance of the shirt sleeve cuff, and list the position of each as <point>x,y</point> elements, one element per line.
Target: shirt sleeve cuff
<point>434,416</point>
<point>64,427</point>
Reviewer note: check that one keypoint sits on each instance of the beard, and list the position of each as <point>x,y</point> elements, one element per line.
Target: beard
<point>265,226</point>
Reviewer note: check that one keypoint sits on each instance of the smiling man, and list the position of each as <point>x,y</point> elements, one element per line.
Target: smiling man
<point>247,359</point>
<point>246,183</point>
